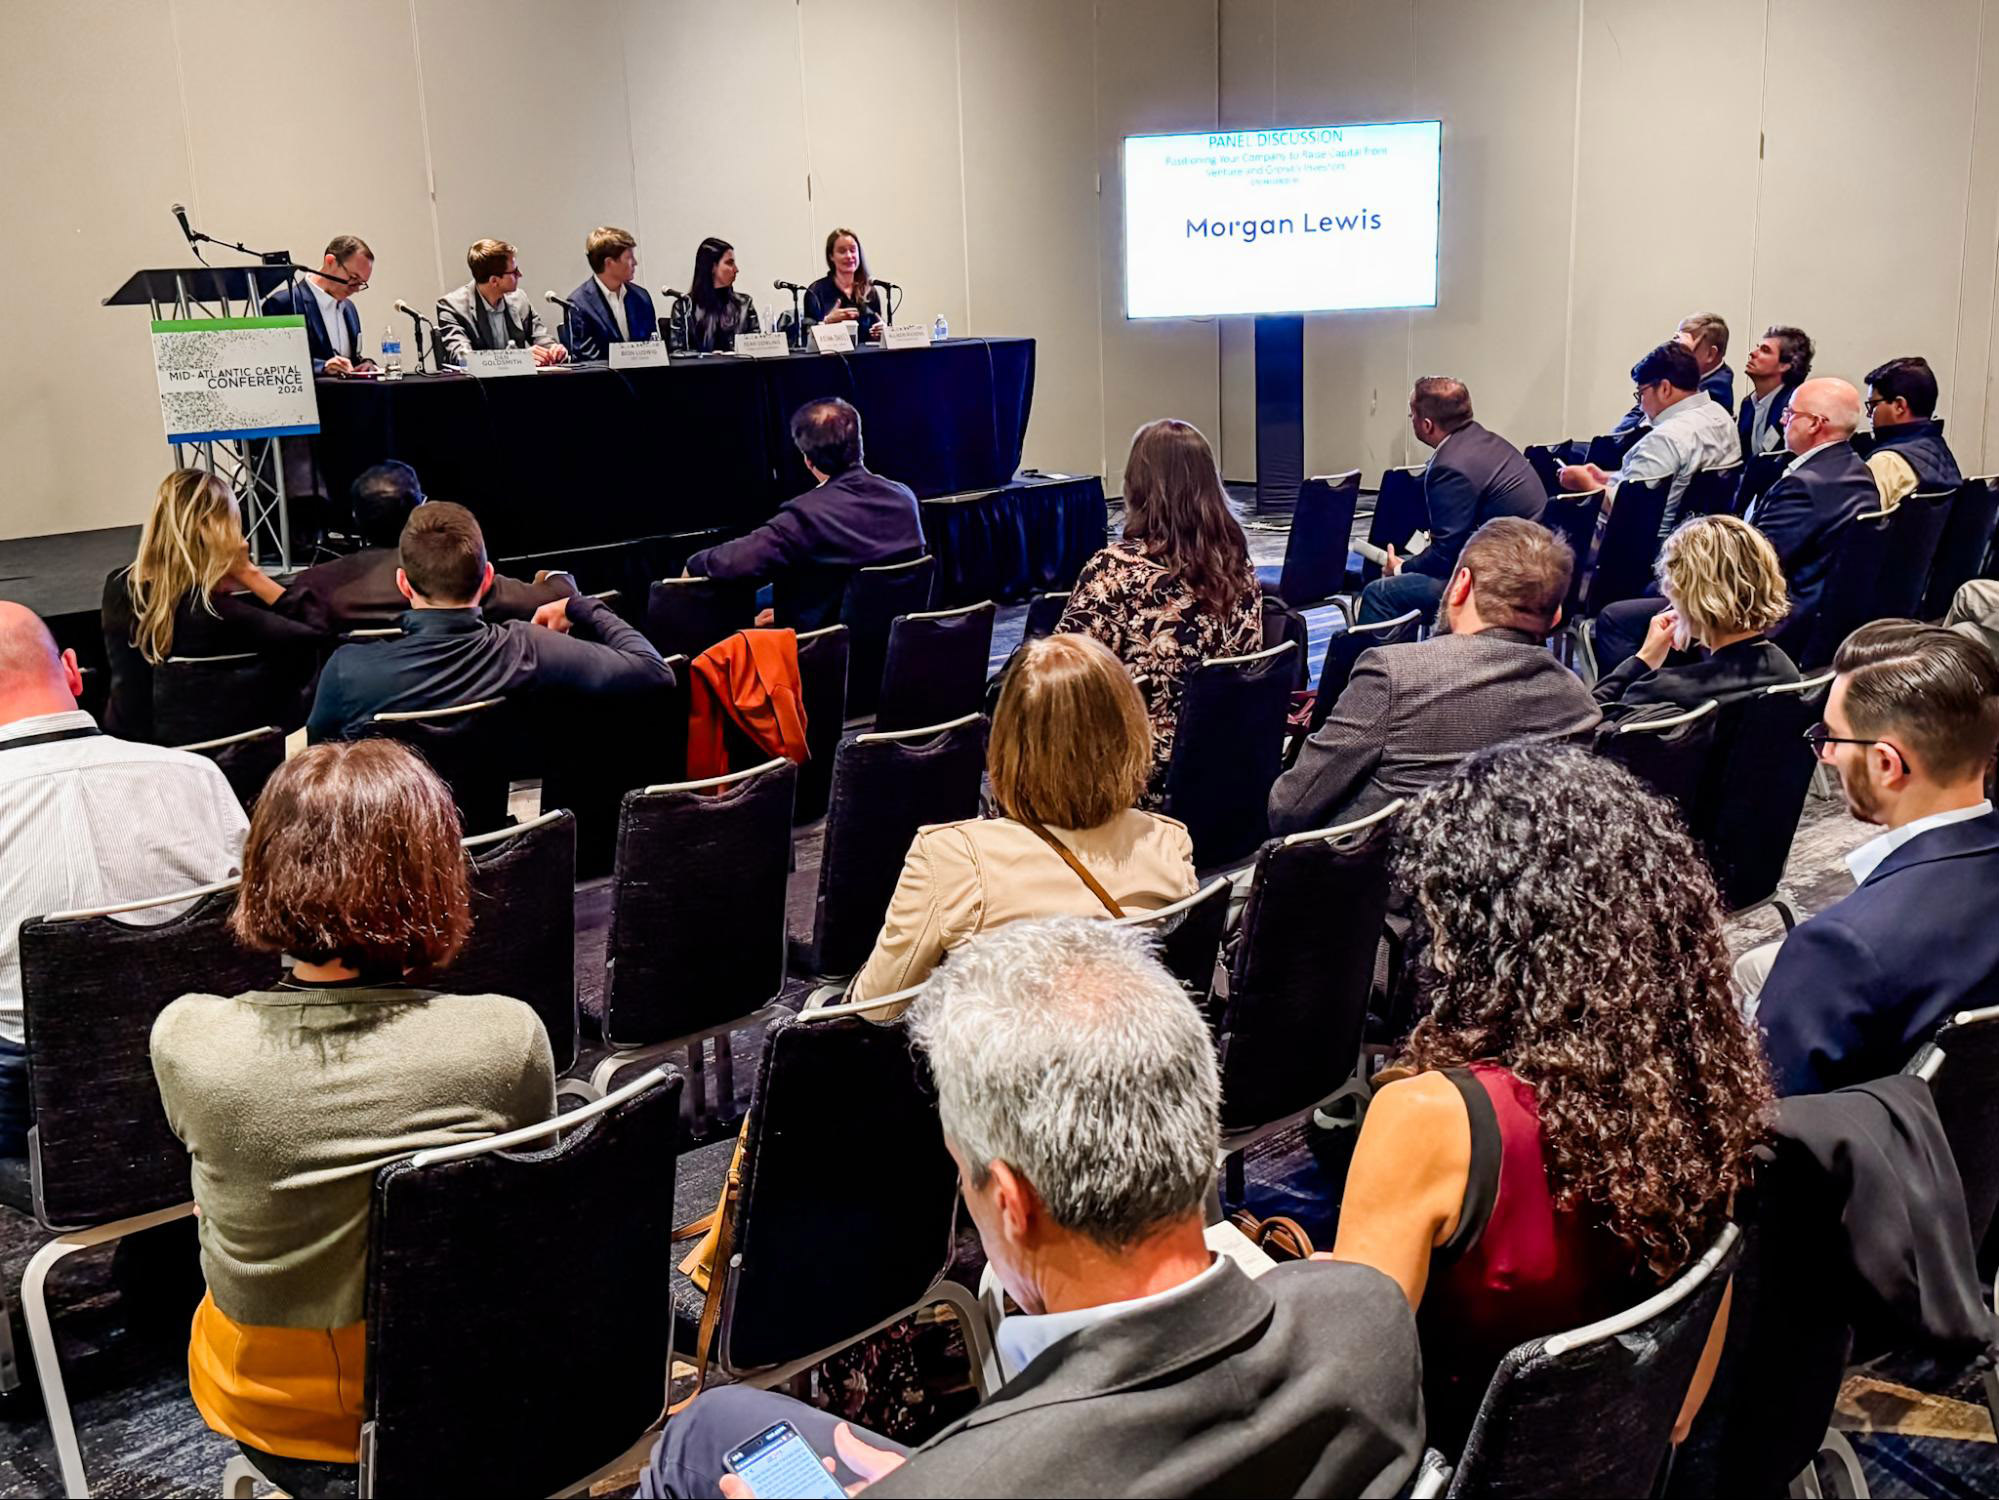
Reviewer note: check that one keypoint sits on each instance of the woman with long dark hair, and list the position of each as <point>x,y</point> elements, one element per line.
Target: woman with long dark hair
<point>846,292</point>
<point>1569,1124</point>
<point>1178,588</point>
<point>714,311</point>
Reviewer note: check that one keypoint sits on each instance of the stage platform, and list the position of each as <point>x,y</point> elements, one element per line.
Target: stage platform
<point>61,578</point>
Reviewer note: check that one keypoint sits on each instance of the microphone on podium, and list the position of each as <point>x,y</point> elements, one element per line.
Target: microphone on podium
<point>180,212</point>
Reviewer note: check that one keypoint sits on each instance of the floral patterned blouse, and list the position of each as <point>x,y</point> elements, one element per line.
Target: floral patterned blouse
<point>1152,623</point>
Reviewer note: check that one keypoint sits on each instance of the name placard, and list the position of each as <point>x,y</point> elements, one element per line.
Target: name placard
<point>634,354</point>
<point>763,345</point>
<point>834,338</point>
<point>489,363</point>
<point>905,335</point>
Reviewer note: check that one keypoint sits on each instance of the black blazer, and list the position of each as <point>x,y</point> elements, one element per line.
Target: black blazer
<point>1803,514</point>
<point>695,329</point>
<point>1736,671</point>
<point>358,592</point>
<point>824,295</point>
<point>291,298</point>
<point>1302,1382</point>
<point>1473,476</point>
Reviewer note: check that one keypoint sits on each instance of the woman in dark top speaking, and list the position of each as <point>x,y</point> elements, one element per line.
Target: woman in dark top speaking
<point>846,291</point>
<point>714,312</point>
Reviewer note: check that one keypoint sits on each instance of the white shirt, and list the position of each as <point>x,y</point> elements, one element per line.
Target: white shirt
<point>1764,436</point>
<point>1024,1337</point>
<point>1694,433</point>
<point>617,301</point>
<point>94,821</point>
<point>1865,860</point>
<point>1813,452</point>
<point>329,314</point>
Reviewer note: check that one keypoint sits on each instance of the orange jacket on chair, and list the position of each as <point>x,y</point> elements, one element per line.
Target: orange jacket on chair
<point>752,679</point>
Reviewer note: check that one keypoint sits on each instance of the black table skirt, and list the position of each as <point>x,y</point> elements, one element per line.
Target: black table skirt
<point>581,457</point>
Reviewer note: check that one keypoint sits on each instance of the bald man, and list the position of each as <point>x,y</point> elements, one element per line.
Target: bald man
<point>86,820</point>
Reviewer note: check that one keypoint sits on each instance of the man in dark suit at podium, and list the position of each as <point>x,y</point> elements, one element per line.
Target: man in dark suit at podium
<point>492,312</point>
<point>326,301</point>
<point>610,307</point>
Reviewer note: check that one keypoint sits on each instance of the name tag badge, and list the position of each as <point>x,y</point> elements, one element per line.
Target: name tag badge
<point>490,363</point>
<point>633,355</point>
<point>834,338</point>
<point>905,336</point>
<point>763,345</point>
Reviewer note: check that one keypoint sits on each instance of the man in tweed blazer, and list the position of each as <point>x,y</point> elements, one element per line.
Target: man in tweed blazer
<point>1411,713</point>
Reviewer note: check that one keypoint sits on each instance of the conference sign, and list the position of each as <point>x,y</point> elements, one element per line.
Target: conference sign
<point>225,378</point>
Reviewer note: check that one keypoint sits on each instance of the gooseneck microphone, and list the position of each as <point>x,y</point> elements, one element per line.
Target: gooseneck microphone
<point>420,320</point>
<point>561,302</point>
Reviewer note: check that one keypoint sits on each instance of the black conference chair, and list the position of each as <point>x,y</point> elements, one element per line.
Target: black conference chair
<point>1671,753</point>
<point>874,598</point>
<point>475,747</point>
<point>822,685</point>
<point>1044,613</point>
<point>523,939</point>
<point>1227,750</point>
<point>1290,1035</point>
<point>1282,623</point>
<point>685,616</point>
<point>936,666</point>
<point>886,785</point>
<point>248,759</point>
<point>1620,565</point>
<point>1711,492</point>
<point>1572,516</point>
<point>1315,552</point>
<point>1961,1063</point>
<point>1400,511</point>
<point>1747,813</point>
<point>696,947</point>
<point>1606,450</point>
<point>1546,463</point>
<point>592,748</point>
<point>1189,933</point>
<point>1915,532</point>
<point>1758,474</point>
<point>103,1161</point>
<point>1345,648</point>
<point>1591,1411</point>
<point>1880,564</point>
<point>1967,536</point>
<point>198,698</point>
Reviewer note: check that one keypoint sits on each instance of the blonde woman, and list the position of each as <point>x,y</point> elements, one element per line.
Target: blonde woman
<point>192,591</point>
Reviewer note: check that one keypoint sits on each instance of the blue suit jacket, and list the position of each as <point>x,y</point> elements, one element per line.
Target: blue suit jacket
<point>282,303</point>
<point>1858,988</point>
<point>592,329</point>
<point>1473,476</point>
<point>1803,514</point>
<point>1745,419</point>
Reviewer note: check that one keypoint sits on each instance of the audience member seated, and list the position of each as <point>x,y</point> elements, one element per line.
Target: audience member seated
<point>807,552</point>
<point>1688,432</point>
<point>1178,589</point>
<point>1706,335</point>
<point>1068,759</point>
<point>1472,476</point>
<point>289,1100</point>
<point>1724,593</point>
<point>358,591</point>
<point>1910,726</point>
<point>1568,1126</point>
<point>1777,366</point>
<point>1412,712</point>
<point>1907,452</point>
<point>449,654</point>
<point>1974,612</point>
<point>86,820</point>
<point>192,591</point>
<point>1079,1097</point>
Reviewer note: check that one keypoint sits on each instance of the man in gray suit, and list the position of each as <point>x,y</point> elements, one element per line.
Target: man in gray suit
<point>492,312</point>
<point>1079,1097</point>
<point>1411,712</point>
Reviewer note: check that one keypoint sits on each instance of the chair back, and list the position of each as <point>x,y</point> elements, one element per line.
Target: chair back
<point>886,785</point>
<point>611,744</point>
<point>1315,552</point>
<point>1591,1411</point>
<point>1961,1063</point>
<point>1758,474</point>
<point>1573,519</point>
<point>197,698</point>
<point>506,1257</point>
<point>1345,648</point>
<point>1712,491</point>
<point>1761,769</point>
<point>1282,622</point>
<point>1620,565</point>
<point>874,598</point>
<point>1044,613</point>
<point>523,939</point>
<point>1302,969</point>
<point>818,1261</point>
<point>1189,933</point>
<point>685,616</point>
<point>248,760</point>
<point>1967,535</point>
<point>474,747</point>
<point>1670,754</point>
<point>92,984</point>
<point>1228,749</point>
<point>822,689</point>
<point>697,904</point>
<point>1607,449</point>
<point>1546,464</point>
<point>1400,511</point>
<point>936,666</point>
<point>1915,532</point>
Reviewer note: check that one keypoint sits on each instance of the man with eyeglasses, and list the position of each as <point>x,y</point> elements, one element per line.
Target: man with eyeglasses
<point>1906,450</point>
<point>332,322</point>
<point>492,312</point>
<point>1910,727</point>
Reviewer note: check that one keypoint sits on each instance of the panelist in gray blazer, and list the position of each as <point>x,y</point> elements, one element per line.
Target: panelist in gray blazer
<point>1139,1362</point>
<point>492,312</point>
<point>1412,712</point>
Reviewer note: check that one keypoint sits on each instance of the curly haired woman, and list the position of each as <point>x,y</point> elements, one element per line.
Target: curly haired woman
<point>1572,1120</point>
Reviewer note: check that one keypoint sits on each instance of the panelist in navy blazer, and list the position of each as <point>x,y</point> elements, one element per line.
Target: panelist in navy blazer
<point>610,307</point>
<point>811,547</point>
<point>1777,366</point>
<point>1853,993</point>
<point>332,322</point>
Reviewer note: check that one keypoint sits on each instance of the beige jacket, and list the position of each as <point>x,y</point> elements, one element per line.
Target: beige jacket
<point>961,878</point>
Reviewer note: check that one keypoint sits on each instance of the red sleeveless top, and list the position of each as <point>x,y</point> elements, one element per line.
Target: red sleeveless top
<point>1516,1268</point>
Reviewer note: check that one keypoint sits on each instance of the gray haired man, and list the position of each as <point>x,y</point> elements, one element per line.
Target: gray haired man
<point>1079,1098</point>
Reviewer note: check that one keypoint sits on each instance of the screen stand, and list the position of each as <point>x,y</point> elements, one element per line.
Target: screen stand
<point>1280,413</point>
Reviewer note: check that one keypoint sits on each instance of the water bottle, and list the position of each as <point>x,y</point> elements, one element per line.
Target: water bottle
<point>940,330</point>
<point>392,354</point>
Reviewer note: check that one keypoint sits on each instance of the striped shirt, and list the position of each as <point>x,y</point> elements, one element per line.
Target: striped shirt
<point>92,821</point>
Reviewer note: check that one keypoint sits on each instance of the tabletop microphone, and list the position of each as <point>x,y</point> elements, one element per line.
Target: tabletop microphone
<point>404,307</point>
<point>180,212</point>
<point>787,286</point>
<point>561,302</point>
<point>895,286</point>
<point>669,293</point>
